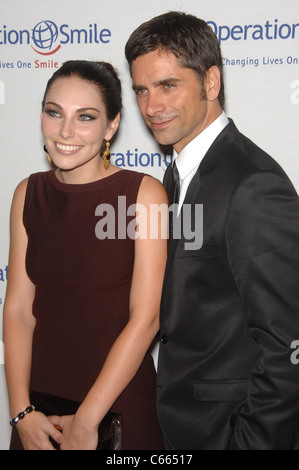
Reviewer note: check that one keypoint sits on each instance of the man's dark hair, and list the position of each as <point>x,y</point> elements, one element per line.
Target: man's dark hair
<point>189,38</point>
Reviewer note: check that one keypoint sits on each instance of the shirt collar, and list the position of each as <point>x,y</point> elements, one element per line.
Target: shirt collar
<point>191,156</point>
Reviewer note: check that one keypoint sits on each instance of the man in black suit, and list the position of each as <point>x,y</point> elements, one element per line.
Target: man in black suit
<point>230,308</point>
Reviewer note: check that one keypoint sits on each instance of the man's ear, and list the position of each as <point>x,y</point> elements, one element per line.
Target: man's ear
<point>212,83</point>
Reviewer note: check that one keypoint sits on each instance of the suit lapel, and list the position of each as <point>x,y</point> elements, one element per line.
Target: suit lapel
<point>221,143</point>
<point>193,196</point>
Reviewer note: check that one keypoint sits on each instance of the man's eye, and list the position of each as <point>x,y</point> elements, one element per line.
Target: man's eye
<point>140,91</point>
<point>169,85</point>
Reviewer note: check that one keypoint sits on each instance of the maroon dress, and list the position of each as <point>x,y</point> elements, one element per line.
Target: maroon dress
<point>83,285</point>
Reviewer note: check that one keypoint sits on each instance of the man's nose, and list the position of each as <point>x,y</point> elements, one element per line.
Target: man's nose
<point>154,104</point>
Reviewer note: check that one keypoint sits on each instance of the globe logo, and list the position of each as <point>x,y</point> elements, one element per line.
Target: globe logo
<point>44,35</point>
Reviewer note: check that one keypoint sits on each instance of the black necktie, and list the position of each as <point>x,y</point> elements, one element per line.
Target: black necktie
<point>174,199</point>
<point>175,184</point>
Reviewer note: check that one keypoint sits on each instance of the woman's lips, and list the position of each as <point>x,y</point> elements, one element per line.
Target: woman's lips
<point>67,148</point>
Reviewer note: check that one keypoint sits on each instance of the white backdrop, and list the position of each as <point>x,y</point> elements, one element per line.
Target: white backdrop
<point>259,40</point>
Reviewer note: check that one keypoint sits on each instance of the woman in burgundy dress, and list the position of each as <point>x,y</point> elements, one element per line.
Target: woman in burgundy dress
<point>83,294</point>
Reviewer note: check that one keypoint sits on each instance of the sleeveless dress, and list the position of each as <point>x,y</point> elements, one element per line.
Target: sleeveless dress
<point>83,285</point>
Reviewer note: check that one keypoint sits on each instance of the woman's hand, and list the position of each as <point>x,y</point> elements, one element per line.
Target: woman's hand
<point>35,430</point>
<point>76,436</point>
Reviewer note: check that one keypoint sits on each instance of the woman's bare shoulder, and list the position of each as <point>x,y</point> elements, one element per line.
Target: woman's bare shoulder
<point>152,191</point>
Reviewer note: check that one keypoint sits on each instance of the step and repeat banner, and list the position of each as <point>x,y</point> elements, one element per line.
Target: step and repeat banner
<point>260,46</point>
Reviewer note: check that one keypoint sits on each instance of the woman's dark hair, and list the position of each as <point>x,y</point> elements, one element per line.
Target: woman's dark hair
<point>102,74</point>
<point>189,38</point>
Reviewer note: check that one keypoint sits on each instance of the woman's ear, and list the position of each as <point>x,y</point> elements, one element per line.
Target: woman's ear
<point>212,83</point>
<point>112,127</point>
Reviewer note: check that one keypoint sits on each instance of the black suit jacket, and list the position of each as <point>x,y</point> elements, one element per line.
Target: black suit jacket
<point>230,310</point>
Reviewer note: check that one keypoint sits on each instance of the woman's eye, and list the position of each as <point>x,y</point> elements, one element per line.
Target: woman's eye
<point>86,117</point>
<point>52,112</point>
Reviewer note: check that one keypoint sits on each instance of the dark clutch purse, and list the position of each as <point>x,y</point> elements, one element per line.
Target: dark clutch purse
<point>110,428</point>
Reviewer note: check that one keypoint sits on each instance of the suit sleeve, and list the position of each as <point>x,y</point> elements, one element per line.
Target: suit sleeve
<point>262,235</point>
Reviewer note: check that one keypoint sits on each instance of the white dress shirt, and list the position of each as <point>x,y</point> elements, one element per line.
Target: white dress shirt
<point>189,159</point>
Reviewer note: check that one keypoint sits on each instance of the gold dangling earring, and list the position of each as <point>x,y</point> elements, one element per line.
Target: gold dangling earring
<point>107,155</point>
<point>48,156</point>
